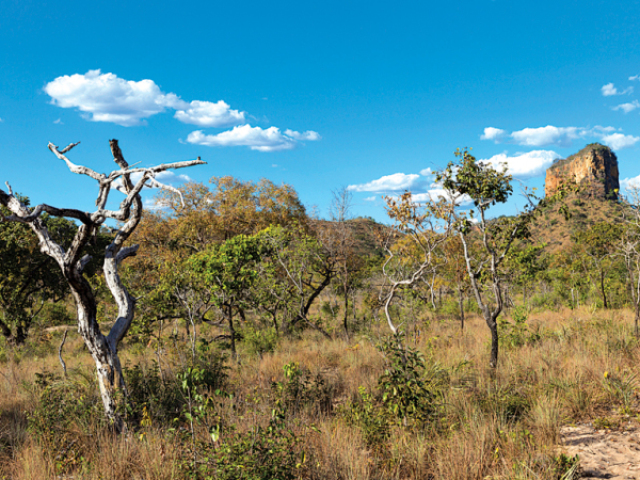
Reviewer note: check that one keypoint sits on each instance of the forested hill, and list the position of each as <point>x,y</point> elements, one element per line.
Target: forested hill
<point>584,211</point>
<point>367,235</point>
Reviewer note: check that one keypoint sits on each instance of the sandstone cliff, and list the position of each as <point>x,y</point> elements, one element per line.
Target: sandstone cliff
<point>594,169</point>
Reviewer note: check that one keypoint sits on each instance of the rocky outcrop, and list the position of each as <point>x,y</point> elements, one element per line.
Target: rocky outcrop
<point>594,169</point>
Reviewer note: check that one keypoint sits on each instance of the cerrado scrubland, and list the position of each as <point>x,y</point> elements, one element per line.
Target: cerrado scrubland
<point>231,335</point>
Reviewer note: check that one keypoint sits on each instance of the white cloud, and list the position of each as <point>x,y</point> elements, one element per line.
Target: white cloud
<point>436,192</point>
<point>427,172</point>
<point>209,114</point>
<point>491,133</point>
<point>609,89</point>
<point>308,135</point>
<point>256,138</point>
<point>630,183</point>
<point>628,107</point>
<point>107,98</point>
<point>58,122</point>
<point>618,141</point>
<point>635,77</point>
<point>370,199</point>
<point>549,135</point>
<point>388,183</point>
<point>1,120</point>
<point>565,136</point>
<point>525,165</point>
<point>104,97</point>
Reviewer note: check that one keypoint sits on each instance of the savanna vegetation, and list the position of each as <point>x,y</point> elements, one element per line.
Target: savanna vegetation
<point>232,335</point>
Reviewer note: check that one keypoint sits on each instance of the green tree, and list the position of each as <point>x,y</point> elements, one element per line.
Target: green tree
<point>228,270</point>
<point>28,278</point>
<point>525,262</point>
<point>296,269</point>
<point>485,187</point>
<point>598,245</point>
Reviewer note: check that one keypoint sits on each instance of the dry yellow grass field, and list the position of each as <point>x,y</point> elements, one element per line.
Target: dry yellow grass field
<point>563,367</point>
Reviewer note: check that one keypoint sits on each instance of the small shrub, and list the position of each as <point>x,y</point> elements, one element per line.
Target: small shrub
<point>258,341</point>
<point>163,397</point>
<point>517,333</point>
<point>66,414</point>
<point>408,394</point>
<point>270,452</point>
<point>54,314</point>
<point>301,390</point>
<point>508,402</point>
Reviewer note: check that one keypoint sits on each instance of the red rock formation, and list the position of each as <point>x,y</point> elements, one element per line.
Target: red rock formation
<point>594,169</point>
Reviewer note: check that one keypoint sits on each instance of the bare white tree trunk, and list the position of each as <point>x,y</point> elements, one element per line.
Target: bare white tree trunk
<point>103,349</point>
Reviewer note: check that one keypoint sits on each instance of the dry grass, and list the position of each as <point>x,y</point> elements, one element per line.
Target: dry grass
<point>499,425</point>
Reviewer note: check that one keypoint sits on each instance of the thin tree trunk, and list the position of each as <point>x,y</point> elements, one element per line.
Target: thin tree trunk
<point>603,290</point>
<point>345,321</point>
<point>232,332</point>
<point>461,300</point>
<point>493,326</point>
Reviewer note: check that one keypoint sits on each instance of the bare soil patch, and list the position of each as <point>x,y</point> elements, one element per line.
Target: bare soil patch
<point>604,453</point>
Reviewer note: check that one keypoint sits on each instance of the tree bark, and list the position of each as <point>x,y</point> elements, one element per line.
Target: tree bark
<point>103,349</point>
<point>493,327</point>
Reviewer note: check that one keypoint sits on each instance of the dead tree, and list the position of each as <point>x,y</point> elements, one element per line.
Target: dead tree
<point>103,348</point>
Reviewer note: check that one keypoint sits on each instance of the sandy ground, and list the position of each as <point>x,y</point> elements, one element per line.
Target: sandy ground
<point>613,454</point>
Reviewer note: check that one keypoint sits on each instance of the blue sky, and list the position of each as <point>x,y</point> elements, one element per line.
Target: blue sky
<point>367,95</point>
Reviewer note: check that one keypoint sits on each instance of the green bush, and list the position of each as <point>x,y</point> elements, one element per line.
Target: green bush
<point>266,453</point>
<point>66,415</point>
<point>258,341</point>
<point>163,396</point>
<point>517,333</point>
<point>408,394</point>
<point>301,390</point>
<point>54,314</point>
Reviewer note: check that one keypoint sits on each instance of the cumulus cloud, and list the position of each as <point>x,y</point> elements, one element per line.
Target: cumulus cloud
<point>107,98</point>
<point>436,192</point>
<point>628,107</point>
<point>525,165</point>
<point>609,89</point>
<point>423,187</point>
<point>549,135</point>
<point>308,135</point>
<point>389,183</point>
<point>495,134</point>
<point>104,97</point>
<point>619,141</point>
<point>632,183</point>
<point>563,136</point>
<point>209,114</point>
<point>256,138</point>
